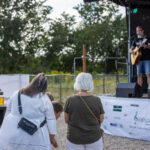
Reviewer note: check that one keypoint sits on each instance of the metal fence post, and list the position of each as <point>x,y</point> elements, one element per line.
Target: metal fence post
<point>103,84</point>
<point>60,88</point>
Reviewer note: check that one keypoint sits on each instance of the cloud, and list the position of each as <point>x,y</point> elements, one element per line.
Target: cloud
<point>60,6</point>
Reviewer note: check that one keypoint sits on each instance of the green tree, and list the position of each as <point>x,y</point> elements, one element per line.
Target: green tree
<point>103,29</point>
<point>22,31</point>
<point>31,42</point>
<point>59,43</point>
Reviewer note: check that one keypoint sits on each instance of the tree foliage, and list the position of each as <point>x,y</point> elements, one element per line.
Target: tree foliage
<point>103,30</point>
<point>31,42</point>
<point>22,29</point>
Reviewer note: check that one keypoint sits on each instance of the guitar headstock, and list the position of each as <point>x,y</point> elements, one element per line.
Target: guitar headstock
<point>144,41</point>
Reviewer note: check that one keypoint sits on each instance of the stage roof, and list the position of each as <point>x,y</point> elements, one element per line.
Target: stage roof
<point>133,3</point>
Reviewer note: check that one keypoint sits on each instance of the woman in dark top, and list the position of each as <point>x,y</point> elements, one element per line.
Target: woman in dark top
<point>83,127</point>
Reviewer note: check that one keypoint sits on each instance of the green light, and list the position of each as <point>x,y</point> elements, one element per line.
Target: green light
<point>135,10</point>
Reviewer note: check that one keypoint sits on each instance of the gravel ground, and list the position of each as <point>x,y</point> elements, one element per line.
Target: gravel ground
<point>110,142</point>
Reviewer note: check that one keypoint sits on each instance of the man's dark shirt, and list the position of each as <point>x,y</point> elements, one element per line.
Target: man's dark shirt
<point>145,51</point>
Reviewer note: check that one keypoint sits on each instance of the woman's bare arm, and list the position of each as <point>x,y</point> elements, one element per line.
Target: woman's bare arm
<point>66,115</point>
<point>101,118</point>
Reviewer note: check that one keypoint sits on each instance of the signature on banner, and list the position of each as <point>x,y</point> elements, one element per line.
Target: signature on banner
<point>137,118</point>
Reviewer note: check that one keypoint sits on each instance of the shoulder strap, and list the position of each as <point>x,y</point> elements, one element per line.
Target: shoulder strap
<point>43,122</point>
<point>19,103</point>
<point>89,109</point>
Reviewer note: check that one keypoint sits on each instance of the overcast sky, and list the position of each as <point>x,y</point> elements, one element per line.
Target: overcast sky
<point>67,5</point>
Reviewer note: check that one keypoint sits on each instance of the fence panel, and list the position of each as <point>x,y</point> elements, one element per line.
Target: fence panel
<point>61,85</point>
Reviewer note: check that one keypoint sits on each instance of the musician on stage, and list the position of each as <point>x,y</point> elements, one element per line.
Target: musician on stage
<point>144,64</point>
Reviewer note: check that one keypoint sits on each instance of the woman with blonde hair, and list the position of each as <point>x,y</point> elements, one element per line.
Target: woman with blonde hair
<point>29,118</point>
<point>84,114</point>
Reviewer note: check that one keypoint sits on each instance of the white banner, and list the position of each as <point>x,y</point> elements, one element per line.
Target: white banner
<point>127,117</point>
<point>11,83</point>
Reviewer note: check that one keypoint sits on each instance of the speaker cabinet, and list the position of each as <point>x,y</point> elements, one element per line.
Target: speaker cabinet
<point>125,90</point>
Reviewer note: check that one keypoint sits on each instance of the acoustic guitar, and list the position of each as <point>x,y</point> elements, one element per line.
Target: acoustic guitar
<point>135,57</point>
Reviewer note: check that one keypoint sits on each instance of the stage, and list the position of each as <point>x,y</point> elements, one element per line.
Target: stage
<point>126,117</point>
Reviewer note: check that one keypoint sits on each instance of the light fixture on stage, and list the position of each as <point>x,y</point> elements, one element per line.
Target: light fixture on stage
<point>90,0</point>
<point>135,10</point>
